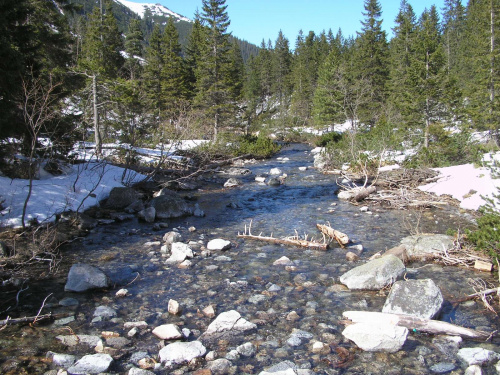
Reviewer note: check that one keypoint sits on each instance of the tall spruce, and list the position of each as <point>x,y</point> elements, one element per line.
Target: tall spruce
<point>213,92</point>
<point>427,73</point>
<point>193,53</point>
<point>482,61</point>
<point>371,63</point>
<point>134,47</point>
<point>281,66</point>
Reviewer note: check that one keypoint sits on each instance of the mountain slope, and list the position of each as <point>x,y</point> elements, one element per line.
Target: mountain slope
<point>155,9</point>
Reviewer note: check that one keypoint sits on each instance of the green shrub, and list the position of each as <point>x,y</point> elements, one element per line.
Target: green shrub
<point>487,235</point>
<point>257,147</point>
<point>327,138</point>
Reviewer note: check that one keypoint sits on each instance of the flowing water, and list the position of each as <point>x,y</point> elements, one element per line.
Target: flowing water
<point>244,279</point>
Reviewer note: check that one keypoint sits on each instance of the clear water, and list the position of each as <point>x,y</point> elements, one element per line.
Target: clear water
<point>306,198</point>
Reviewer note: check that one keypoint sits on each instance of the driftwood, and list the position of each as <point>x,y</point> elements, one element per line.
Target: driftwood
<point>357,194</point>
<point>31,319</point>
<point>418,324</point>
<point>292,241</point>
<point>334,234</point>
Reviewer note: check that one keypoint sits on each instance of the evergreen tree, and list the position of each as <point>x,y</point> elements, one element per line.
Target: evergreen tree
<point>427,73</point>
<point>213,92</point>
<point>453,33</point>
<point>173,74</point>
<point>193,52</point>
<point>371,63</point>
<point>402,50</point>
<point>281,62</point>
<point>481,70</point>
<point>236,71</point>
<point>252,89</point>
<point>134,48</point>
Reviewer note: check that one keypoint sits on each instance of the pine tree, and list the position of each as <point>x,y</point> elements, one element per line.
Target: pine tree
<point>173,74</point>
<point>281,63</point>
<point>193,52</point>
<point>453,33</point>
<point>236,71</point>
<point>427,72</point>
<point>371,63</point>
<point>481,57</point>
<point>402,50</point>
<point>134,48</point>
<point>213,92</point>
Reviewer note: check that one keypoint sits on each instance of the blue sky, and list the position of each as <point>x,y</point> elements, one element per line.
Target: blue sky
<point>254,20</point>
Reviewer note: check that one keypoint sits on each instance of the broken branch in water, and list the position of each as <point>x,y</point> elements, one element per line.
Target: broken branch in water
<point>334,234</point>
<point>292,241</point>
<point>31,319</point>
<point>418,324</point>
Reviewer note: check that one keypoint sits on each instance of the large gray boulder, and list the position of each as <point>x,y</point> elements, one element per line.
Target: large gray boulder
<point>181,352</point>
<point>91,364</point>
<point>374,275</point>
<point>420,298</point>
<point>121,197</point>
<point>377,337</point>
<point>427,246</point>
<point>170,205</point>
<point>477,356</point>
<point>83,277</point>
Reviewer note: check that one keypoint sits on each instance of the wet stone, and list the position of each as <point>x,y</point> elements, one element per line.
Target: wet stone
<point>91,364</point>
<point>442,368</point>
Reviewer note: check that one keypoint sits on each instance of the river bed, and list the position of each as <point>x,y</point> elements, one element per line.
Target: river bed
<point>307,298</point>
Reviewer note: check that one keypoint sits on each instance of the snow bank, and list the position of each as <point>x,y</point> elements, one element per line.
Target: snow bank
<point>465,183</point>
<point>55,194</point>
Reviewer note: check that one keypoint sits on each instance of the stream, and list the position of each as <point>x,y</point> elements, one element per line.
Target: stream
<point>244,278</point>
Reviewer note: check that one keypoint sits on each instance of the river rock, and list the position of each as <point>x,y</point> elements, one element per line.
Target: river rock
<point>237,171</point>
<point>448,345</point>
<point>286,368</point>
<point>168,332</point>
<point>171,205</point>
<point>246,350</point>
<point>83,277</point>
<point>62,360</point>
<point>121,197</point>
<point>477,356</point>
<point>473,370</point>
<point>171,237</point>
<point>374,275</point>
<point>218,244</point>
<point>105,312</point>
<point>229,326</point>
<point>283,261</point>
<point>219,366</point>
<point>136,206</point>
<point>173,307</point>
<point>275,171</point>
<point>74,340</point>
<point>427,246</point>
<point>274,181</point>
<point>91,364</point>
<point>139,371</point>
<point>420,298</point>
<point>442,368</point>
<point>181,352</point>
<point>148,215</point>
<point>180,252</point>
<point>320,158</point>
<point>376,338</point>
<point>232,182</point>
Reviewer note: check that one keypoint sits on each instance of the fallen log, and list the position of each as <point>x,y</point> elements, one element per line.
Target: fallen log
<point>288,241</point>
<point>334,234</point>
<point>31,319</point>
<point>357,194</point>
<point>417,324</point>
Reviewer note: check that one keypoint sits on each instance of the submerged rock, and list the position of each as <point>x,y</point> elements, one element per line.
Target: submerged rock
<point>477,356</point>
<point>180,252</point>
<point>375,338</point>
<point>375,274</point>
<point>232,182</point>
<point>420,298</point>
<point>228,325</point>
<point>148,214</point>
<point>91,364</point>
<point>286,368</point>
<point>121,197</point>
<point>218,244</point>
<point>181,352</point>
<point>171,205</point>
<point>83,277</point>
<point>168,332</point>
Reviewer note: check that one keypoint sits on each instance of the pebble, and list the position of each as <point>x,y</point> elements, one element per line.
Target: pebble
<point>173,307</point>
<point>122,293</point>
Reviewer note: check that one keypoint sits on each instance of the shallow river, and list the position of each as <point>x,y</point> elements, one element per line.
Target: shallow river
<point>248,282</point>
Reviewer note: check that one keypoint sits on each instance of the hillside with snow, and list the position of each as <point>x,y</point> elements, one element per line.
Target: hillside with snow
<point>155,9</point>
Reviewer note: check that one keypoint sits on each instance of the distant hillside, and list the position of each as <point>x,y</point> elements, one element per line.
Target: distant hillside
<point>150,14</point>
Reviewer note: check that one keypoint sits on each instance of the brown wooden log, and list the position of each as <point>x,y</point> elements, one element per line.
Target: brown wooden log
<point>334,234</point>
<point>419,324</point>
<point>286,241</point>
<point>363,193</point>
<point>31,319</point>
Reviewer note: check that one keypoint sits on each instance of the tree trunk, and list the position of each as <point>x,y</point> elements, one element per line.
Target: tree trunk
<point>97,130</point>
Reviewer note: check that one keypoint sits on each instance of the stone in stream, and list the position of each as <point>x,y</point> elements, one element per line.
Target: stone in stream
<point>83,277</point>
<point>62,360</point>
<point>286,368</point>
<point>275,171</point>
<point>139,371</point>
<point>427,246</point>
<point>171,237</point>
<point>170,205</point>
<point>168,332</point>
<point>181,352</point>
<point>376,338</point>
<point>219,366</point>
<point>283,261</point>
<point>105,312</point>
<point>173,307</point>
<point>121,197</point>
<point>473,370</point>
<point>147,214</point>
<point>180,252</point>
<point>477,356</point>
<point>420,298</point>
<point>218,244</point>
<point>232,182</point>
<point>91,364</point>
<point>374,275</point>
<point>228,325</point>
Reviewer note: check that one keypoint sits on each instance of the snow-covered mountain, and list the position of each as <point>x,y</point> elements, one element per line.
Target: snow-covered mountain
<point>155,9</point>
